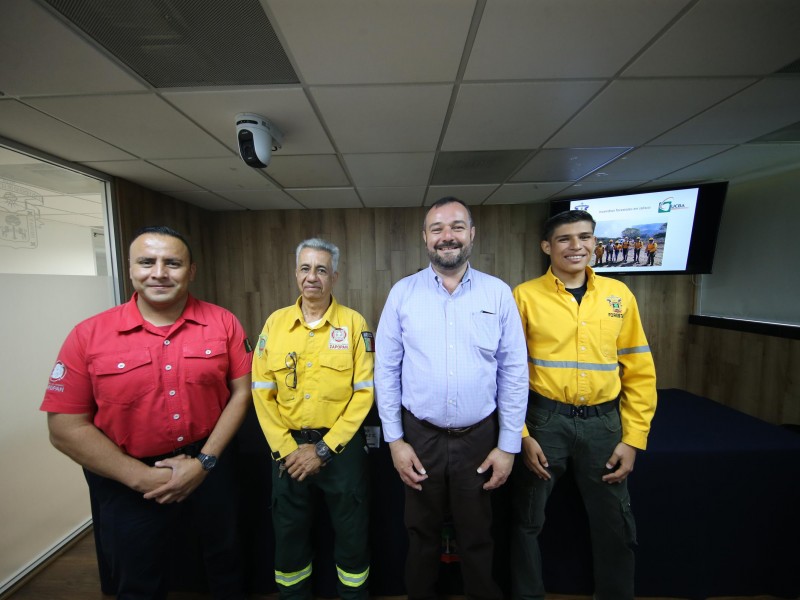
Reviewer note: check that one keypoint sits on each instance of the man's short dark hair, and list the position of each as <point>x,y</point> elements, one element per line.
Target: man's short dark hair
<point>163,230</point>
<point>565,218</point>
<point>447,200</point>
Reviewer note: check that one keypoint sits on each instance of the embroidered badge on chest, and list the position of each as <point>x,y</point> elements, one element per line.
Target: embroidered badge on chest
<point>339,340</point>
<point>615,302</point>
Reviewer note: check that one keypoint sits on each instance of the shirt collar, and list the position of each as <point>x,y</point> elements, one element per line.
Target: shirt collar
<point>132,318</point>
<point>467,278</point>
<point>330,314</point>
<point>559,285</point>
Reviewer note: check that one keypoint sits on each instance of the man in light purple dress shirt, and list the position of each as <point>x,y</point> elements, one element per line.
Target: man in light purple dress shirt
<point>451,382</point>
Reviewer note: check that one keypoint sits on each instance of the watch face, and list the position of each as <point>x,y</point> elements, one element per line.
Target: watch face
<point>208,461</point>
<point>323,452</point>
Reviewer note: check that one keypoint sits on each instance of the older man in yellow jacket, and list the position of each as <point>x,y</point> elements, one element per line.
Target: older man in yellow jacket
<point>312,388</point>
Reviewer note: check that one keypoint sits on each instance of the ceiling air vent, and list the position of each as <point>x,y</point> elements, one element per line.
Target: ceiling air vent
<point>185,43</point>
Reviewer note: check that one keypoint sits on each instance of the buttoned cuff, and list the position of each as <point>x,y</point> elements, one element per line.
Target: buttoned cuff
<point>509,441</point>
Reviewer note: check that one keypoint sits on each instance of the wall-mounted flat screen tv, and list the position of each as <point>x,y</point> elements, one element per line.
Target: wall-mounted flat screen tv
<point>659,231</point>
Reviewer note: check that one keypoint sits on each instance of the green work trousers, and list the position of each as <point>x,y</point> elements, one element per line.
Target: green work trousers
<point>586,443</point>
<point>343,485</point>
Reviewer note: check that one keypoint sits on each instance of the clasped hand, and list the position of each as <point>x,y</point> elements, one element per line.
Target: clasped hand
<point>174,479</point>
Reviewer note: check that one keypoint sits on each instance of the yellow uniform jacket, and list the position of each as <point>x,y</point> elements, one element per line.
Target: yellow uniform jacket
<point>591,352</point>
<point>334,367</point>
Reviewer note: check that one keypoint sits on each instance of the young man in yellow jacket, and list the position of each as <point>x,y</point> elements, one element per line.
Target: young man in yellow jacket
<point>312,388</point>
<point>592,395</point>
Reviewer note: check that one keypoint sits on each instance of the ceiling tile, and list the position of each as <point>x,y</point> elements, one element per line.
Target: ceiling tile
<point>143,173</point>
<point>49,58</point>
<point>760,109</point>
<point>739,162</point>
<point>381,41</point>
<point>143,124</point>
<point>384,118</point>
<point>454,168</point>
<point>389,170</point>
<point>287,108</point>
<point>565,164</point>
<point>217,174</point>
<point>392,196</point>
<point>790,133</point>
<point>590,188</point>
<point>539,39</point>
<point>206,200</point>
<point>29,126</point>
<point>471,194</point>
<point>184,43</point>
<point>326,197</point>
<point>652,162</point>
<point>632,112</point>
<point>307,171</point>
<point>716,37</point>
<point>505,116</point>
<point>261,199</point>
<point>525,193</point>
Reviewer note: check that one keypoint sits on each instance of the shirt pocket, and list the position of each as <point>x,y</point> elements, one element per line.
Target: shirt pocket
<point>336,383</point>
<point>609,332</point>
<point>206,362</point>
<point>276,364</point>
<point>486,331</point>
<point>123,377</point>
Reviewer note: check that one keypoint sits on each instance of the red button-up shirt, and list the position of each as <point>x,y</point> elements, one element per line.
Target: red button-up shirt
<point>150,389</point>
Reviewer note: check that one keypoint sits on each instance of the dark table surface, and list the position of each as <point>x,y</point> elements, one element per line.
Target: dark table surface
<point>715,496</point>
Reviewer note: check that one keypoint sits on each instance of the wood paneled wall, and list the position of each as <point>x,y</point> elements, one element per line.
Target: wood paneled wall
<point>255,253</point>
<point>138,207</point>
<point>756,374</point>
<point>246,264</point>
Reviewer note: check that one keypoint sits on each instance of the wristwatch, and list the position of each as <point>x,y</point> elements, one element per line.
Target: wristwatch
<point>209,461</point>
<point>323,452</point>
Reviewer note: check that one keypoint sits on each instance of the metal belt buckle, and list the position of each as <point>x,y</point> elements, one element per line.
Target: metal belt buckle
<point>577,411</point>
<point>312,436</point>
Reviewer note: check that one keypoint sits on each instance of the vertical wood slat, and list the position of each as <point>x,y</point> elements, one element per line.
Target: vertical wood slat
<point>246,263</point>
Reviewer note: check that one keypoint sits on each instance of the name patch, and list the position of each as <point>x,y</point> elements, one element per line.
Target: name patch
<point>340,339</point>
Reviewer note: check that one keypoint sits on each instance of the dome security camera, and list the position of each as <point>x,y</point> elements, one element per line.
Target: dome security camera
<point>257,139</point>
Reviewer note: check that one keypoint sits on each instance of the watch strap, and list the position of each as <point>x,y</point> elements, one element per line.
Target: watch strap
<point>208,461</point>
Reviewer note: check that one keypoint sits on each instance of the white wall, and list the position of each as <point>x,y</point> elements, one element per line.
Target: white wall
<point>61,249</point>
<point>43,496</point>
<point>757,263</point>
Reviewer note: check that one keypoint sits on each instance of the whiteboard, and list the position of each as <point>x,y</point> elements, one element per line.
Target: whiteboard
<point>756,274</point>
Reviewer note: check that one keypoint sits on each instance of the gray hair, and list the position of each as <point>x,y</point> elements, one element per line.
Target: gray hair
<point>319,244</point>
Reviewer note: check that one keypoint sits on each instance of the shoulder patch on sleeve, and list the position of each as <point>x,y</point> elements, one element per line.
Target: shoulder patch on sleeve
<point>369,341</point>
<point>262,344</point>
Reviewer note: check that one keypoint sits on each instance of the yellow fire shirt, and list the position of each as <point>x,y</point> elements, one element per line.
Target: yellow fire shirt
<point>330,366</point>
<point>591,352</point>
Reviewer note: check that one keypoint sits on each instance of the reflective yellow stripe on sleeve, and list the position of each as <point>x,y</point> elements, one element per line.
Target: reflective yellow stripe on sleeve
<point>293,578</point>
<point>264,385</point>
<point>352,579</point>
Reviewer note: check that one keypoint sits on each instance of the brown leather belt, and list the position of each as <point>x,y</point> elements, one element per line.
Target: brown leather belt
<point>451,431</point>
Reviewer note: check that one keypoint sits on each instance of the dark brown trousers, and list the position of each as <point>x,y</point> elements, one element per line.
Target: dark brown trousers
<point>455,489</point>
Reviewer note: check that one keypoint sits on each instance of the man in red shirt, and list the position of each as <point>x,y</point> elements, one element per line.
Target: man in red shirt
<point>146,396</point>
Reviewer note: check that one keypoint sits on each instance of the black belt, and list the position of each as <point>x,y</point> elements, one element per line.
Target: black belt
<point>190,450</point>
<point>571,410</point>
<point>309,436</point>
<point>451,431</point>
